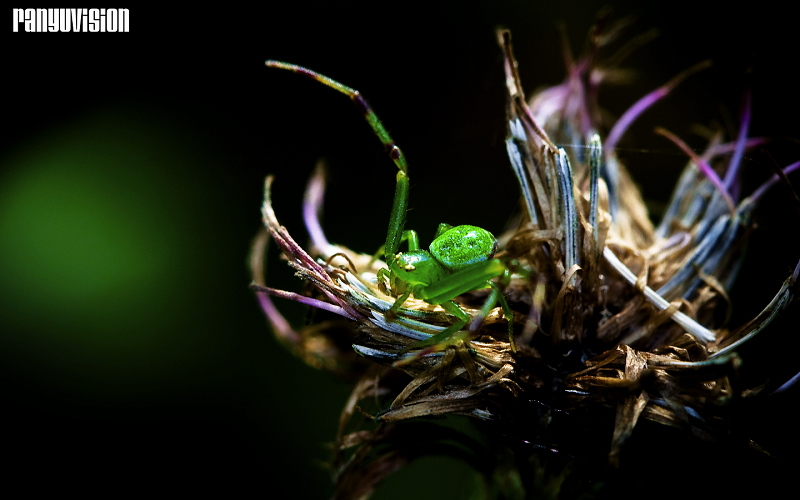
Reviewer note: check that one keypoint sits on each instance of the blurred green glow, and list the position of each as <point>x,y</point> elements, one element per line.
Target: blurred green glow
<point>95,234</point>
<point>70,241</point>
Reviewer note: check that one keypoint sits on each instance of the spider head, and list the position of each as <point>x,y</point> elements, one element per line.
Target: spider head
<point>415,268</point>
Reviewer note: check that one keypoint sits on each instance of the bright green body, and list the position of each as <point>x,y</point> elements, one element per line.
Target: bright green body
<point>458,260</point>
<point>454,249</point>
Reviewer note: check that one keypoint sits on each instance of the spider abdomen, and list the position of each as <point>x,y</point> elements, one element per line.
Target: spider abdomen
<point>463,246</point>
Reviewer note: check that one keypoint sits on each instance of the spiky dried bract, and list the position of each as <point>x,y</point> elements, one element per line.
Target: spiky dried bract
<point>610,312</point>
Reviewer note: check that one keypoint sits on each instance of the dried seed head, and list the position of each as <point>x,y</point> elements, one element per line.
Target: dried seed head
<point>607,309</point>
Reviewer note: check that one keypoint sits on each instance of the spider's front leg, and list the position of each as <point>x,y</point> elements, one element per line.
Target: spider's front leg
<point>385,275</point>
<point>397,219</point>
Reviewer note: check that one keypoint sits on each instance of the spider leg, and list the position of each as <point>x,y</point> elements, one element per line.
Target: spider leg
<point>392,312</point>
<point>413,241</point>
<point>447,336</point>
<point>450,336</point>
<point>397,219</point>
<point>443,291</point>
<point>373,120</point>
<point>443,228</point>
<point>496,296</point>
<point>466,280</point>
<point>409,236</point>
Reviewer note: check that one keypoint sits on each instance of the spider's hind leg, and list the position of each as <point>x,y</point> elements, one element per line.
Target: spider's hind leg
<point>494,297</point>
<point>449,336</point>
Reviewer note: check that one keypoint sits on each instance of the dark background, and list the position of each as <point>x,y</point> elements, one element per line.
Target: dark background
<point>132,166</point>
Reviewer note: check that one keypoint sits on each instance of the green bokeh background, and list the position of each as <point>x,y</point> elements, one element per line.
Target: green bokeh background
<point>131,175</point>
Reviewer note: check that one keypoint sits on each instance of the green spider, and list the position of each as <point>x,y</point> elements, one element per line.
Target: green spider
<point>460,259</point>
